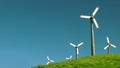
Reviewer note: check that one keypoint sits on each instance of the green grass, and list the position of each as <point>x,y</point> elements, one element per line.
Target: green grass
<point>99,61</point>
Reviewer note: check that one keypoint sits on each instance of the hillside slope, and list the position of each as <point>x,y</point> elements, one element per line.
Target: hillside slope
<point>99,61</point>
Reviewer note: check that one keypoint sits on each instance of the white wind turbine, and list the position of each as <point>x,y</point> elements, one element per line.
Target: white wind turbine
<point>69,58</point>
<point>76,48</point>
<point>49,60</point>
<point>108,45</point>
<point>92,22</point>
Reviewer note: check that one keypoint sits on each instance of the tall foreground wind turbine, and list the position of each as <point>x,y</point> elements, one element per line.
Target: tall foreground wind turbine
<point>76,48</point>
<point>108,45</point>
<point>92,22</point>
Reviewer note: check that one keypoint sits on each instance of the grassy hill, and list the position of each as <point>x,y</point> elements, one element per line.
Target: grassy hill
<point>99,61</point>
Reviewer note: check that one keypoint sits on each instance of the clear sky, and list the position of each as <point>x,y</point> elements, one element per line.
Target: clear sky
<point>30,30</point>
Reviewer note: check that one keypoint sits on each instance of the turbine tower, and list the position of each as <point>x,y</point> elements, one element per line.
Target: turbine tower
<point>108,45</point>
<point>92,22</point>
<point>49,60</point>
<point>76,48</point>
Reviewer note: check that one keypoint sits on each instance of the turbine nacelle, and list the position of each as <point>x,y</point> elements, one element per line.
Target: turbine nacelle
<point>92,19</point>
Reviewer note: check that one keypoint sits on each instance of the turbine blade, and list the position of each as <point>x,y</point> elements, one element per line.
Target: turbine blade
<point>106,47</point>
<point>95,22</point>
<point>113,45</point>
<point>51,61</point>
<point>84,16</point>
<point>108,41</point>
<point>80,44</point>
<point>67,58</point>
<point>95,11</point>
<point>48,63</point>
<point>71,57</point>
<point>72,44</point>
<point>48,58</point>
<point>77,51</point>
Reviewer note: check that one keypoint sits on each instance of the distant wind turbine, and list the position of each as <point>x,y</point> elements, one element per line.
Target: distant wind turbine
<point>49,60</point>
<point>76,48</point>
<point>108,45</point>
<point>92,21</point>
<point>69,58</point>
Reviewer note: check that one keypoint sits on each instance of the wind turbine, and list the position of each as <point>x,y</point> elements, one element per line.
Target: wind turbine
<point>76,48</point>
<point>92,22</point>
<point>69,58</point>
<point>49,60</point>
<point>108,45</point>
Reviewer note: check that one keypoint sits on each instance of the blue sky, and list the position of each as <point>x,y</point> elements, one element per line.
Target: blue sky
<point>30,30</point>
